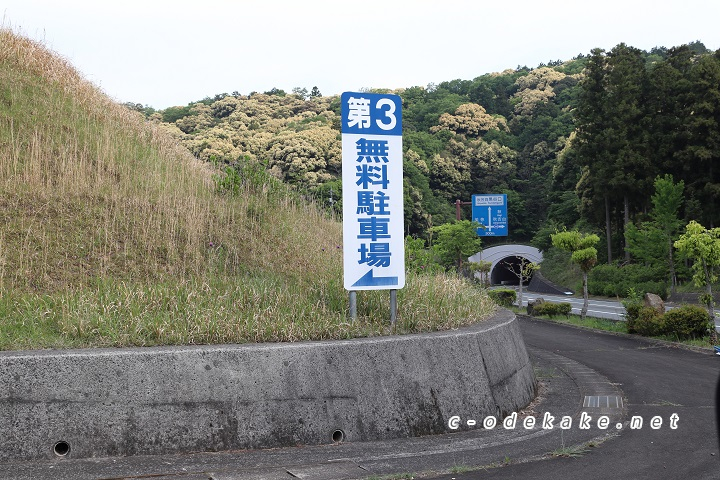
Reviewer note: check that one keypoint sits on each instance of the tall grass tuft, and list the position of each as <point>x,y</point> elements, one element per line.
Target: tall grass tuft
<point>113,234</point>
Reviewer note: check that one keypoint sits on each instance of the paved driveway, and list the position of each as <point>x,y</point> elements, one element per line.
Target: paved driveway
<point>657,381</point>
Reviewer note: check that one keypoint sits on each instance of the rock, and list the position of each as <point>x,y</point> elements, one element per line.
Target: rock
<point>531,304</point>
<point>653,301</point>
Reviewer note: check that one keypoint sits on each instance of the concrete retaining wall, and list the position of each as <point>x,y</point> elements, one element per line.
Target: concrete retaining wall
<point>89,403</point>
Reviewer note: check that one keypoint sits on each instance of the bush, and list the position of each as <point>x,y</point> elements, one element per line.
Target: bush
<point>613,280</point>
<point>683,322</point>
<point>552,309</point>
<point>648,322</point>
<point>686,321</point>
<point>633,304</point>
<point>418,259</point>
<point>504,297</point>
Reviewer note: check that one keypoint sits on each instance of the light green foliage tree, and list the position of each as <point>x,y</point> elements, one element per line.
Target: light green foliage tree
<point>572,144</point>
<point>308,157</point>
<point>535,88</point>
<point>582,252</point>
<point>470,119</point>
<point>703,246</point>
<point>200,117</point>
<point>294,137</point>
<point>471,166</point>
<point>456,241</point>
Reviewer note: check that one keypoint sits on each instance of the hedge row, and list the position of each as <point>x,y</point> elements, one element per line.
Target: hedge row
<point>549,309</point>
<point>615,281</point>
<point>687,321</point>
<point>505,297</point>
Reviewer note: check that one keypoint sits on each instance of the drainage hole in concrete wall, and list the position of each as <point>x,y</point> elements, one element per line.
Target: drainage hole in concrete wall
<point>338,436</point>
<point>61,449</point>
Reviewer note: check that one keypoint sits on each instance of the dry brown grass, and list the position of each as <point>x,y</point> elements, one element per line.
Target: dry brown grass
<point>112,234</point>
<point>88,188</point>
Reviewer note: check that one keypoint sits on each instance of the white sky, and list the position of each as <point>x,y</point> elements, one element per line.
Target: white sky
<point>171,52</point>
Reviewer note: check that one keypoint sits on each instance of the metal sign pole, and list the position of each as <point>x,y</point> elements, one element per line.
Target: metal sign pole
<point>393,307</point>
<point>353,305</point>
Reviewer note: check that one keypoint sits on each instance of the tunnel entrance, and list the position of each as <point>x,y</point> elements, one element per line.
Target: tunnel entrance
<point>502,274</point>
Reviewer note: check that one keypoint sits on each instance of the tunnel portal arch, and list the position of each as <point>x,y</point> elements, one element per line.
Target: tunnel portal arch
<point>499,255</point>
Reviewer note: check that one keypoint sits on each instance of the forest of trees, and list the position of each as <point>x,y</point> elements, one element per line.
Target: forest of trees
<point>575,144</point>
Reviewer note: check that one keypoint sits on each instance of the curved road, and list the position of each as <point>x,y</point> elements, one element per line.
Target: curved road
<point>657,380</point>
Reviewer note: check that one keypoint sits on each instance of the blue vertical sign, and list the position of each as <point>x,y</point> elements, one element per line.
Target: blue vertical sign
<point>372,175</point>
<point>490,211</point>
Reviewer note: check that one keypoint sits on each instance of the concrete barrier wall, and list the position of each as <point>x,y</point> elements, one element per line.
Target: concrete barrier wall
<point>89,403</point>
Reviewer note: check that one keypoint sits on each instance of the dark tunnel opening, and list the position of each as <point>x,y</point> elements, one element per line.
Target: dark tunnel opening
<point>503,274</point>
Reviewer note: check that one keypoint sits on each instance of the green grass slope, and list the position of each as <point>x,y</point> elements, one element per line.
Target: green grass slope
<point>112,234</point>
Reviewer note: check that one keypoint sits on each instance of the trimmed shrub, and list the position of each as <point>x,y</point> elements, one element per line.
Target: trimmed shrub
<point>504,297</point>
<point>648,322</point>
<point>552,309</point>
<point>686,321</point>
<point>564,309</point>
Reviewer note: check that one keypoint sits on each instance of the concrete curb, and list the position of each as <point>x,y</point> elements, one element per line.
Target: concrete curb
<point>150,401</point>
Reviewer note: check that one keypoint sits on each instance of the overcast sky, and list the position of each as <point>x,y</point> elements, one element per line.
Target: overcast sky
<point>171,52</point>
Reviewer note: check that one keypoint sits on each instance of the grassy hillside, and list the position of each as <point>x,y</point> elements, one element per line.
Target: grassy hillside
<point>113,234</point>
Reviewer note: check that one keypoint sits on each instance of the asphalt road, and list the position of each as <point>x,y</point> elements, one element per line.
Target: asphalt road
<point>656,380</point>
<point>609,309</point>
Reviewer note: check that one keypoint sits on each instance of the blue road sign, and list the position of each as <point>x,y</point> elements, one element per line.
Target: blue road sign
<point>490,211</point>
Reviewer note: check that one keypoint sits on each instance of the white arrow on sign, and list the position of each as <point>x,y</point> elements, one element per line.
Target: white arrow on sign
<point>489,225</point>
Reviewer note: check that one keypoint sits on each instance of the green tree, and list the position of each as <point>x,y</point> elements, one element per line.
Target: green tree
<point>592,142</point>
<point>483,268</point>
<point>301,92</point>
<point>276,91</point>
<point>582,252</point>
<point>669,98</point>
<point>703,246</point>
<point>702,126</point>
<point>631,170</point>
<point>652,242</point>
<point>456,241</point>
<point>611,135</point>
<point>667,200</point>
<point>172,114</point>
